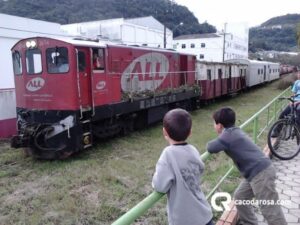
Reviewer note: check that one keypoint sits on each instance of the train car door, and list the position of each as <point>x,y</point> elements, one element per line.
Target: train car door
<point>265,72</point>
<point>101,81</point>
<point>84,78</point>
<point>219,86</point>
<point>183,69</point>
<point>229,84</point>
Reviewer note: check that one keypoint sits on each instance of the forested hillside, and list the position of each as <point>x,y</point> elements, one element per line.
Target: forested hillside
<point>278,33</point>
<point>71,11</point>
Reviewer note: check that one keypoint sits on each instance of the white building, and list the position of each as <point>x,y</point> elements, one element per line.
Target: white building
<point>12,29</point>
<point>216,47</point>
<point>144,31</point>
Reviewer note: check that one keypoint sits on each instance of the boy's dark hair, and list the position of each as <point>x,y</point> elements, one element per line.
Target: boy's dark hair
<point>178,124</point>
<point>225,116</point>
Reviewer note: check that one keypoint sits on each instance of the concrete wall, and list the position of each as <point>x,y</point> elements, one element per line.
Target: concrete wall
<point>7,113</point>
<point>12,29</point>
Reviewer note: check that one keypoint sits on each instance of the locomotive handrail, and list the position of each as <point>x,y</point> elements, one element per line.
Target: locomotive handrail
<point>139,209</point>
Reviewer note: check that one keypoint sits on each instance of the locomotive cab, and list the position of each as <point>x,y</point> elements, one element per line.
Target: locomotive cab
<point>53,95</point>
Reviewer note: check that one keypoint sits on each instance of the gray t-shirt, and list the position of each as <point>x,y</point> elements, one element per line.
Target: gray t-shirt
<point>177,173</point>
<point>246,155</point>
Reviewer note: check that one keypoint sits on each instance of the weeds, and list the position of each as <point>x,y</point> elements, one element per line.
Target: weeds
<point>99,185</point>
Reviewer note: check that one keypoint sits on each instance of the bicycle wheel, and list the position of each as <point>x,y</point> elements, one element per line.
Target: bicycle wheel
<point>284,139</point>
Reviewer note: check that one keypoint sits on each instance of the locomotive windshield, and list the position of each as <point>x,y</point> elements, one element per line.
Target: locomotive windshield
<point>57,60</point>
<point>17,63</point>
<point>33,61</point>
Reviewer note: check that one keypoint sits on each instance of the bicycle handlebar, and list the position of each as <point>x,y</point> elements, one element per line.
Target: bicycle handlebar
<point>291,98</point>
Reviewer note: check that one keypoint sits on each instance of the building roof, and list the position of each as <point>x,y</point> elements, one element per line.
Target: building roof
<point>197,36</point>
<point>148,21</point>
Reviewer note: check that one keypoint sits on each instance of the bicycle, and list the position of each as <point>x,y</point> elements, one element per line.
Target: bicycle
<point>284,135</point>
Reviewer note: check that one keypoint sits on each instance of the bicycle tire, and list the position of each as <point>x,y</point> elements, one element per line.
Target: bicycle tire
<point>285,144</point>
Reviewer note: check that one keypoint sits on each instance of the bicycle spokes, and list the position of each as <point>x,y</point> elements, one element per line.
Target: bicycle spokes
<point>284,139</point>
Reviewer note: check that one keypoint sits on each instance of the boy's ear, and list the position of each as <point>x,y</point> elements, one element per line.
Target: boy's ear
<point>165,133</point>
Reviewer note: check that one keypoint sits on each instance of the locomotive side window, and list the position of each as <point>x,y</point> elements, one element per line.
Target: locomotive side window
<point>98,59</point>
<point>57,60</point>
<point>33,61</point>
<point>17,63</point>
<point>81,61</point>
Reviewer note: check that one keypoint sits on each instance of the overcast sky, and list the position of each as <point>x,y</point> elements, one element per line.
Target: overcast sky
<point>254,12</point>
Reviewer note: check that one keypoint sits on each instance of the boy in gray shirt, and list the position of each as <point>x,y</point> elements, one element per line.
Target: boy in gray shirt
<point>254,166</point>
<point>178,172</point>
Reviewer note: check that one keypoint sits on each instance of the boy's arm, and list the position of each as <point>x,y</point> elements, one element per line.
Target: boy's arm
<point>163,176</point>
<point>216,146</point>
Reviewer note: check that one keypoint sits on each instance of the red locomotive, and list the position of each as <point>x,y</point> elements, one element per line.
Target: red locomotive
<point>70,91</point>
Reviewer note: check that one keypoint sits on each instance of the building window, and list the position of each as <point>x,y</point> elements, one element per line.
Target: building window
<point>202,45</point>
<point>201,56</point>
<point>192,45</point>
<point>183,46</point>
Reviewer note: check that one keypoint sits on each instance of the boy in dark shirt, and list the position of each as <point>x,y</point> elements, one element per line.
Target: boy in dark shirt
<point>255,167</point>
<point>178,172</point>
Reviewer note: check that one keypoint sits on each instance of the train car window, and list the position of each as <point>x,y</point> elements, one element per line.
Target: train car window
<point>17,63</point>
<point>98,59</point>
<point>208,74</point>
<point>81,61</point>
<point>220,73</point>
<point>258,71</point>
<point>33,61</point>
<point>57,60</point>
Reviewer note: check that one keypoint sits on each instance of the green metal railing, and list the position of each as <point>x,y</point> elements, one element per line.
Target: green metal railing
<point>271,110</point>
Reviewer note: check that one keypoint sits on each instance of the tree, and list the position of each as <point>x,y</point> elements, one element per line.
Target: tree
<point>298,34</point>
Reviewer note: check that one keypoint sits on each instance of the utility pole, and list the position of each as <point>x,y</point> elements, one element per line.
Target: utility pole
<point>165,36</point>
<point>224,38</point>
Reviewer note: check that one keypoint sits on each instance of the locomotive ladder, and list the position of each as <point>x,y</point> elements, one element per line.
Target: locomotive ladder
<point>85,122</point>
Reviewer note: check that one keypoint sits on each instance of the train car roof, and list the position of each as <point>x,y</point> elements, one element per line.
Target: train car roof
<point>84,42</point>
<point>221,63</point>
<point>251,61</point>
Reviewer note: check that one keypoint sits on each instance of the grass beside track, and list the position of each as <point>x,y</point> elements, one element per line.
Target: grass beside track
<point>100,184</point>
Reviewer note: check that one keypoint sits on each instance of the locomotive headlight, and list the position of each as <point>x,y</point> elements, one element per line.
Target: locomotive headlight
<point>28,44</point>
<point>31,44</point>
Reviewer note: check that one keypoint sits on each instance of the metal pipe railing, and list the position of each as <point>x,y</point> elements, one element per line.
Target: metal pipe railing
<point>139,209</point>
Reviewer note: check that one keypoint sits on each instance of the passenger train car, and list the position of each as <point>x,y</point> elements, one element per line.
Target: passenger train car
<point>70,91</point>
<point>219,79</point>
<point>259,72</point>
